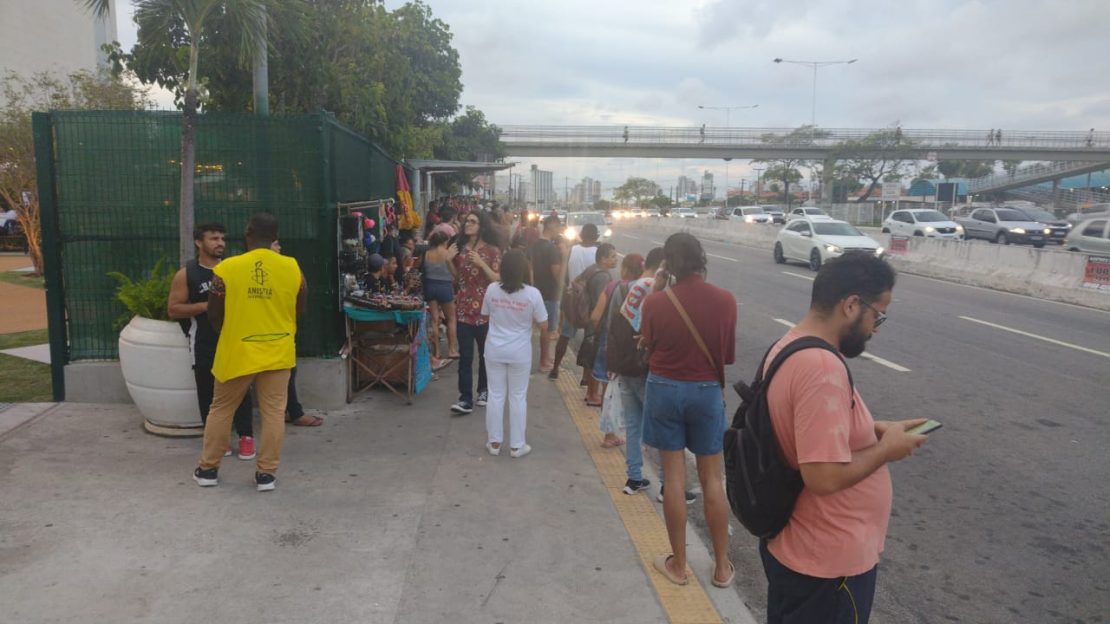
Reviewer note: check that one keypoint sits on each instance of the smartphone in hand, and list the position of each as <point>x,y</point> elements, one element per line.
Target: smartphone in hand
<point>925,428</point>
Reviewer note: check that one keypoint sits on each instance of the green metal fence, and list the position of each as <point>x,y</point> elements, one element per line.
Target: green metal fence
<point>113,204</point>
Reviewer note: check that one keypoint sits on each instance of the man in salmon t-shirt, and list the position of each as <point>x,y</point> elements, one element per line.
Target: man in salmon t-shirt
<point>822,566</point>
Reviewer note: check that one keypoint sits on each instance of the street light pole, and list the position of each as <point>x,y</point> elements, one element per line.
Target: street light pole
<point>728,124</point>
<point>815,65</point>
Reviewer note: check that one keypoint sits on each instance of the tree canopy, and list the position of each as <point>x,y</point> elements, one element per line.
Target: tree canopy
<point>391,75</point>
<point>785,170</point>
<point>636,189</point>
<point>892,163</point>
<point>19,97</point>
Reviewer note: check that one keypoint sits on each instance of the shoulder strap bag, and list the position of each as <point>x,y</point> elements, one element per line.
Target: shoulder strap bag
<point>697,337</point>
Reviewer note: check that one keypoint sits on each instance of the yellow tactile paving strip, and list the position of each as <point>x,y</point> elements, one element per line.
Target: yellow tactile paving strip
<point>687,604</point>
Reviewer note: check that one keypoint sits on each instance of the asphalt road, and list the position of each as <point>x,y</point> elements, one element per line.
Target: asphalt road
<point>1004,515</point>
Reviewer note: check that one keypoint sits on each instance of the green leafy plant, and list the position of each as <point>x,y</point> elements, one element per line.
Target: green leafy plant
<point>145,297</point>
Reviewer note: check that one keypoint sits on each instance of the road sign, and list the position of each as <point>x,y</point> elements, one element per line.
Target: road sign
<point>891,191</point>
<point>1097,275</point>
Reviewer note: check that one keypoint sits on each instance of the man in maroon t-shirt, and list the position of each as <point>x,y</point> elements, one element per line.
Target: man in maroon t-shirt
<point>684,405</point>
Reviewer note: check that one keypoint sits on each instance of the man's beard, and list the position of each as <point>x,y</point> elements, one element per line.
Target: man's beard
<point>217,253</point>
<point>855,342</point>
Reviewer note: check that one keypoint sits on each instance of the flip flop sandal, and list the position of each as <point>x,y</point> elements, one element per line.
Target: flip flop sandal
<point>731,577</point>
<point>315,421</point>
<point>660,564</point>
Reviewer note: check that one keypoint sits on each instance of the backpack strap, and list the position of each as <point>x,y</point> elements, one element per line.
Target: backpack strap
<point>697,336</point>
<point>805,342</point>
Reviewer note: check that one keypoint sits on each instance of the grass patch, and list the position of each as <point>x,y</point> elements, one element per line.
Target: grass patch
<point>24,381</point>
<point>23,339</point>
<point>23,279</point>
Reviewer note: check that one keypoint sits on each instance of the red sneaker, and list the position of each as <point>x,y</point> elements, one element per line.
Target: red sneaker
<point>246,448</point>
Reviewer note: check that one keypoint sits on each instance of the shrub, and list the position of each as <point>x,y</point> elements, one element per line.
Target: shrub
<point>145,297</point>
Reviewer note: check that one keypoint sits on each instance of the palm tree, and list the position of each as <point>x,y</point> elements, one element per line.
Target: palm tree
<point>248,18</point>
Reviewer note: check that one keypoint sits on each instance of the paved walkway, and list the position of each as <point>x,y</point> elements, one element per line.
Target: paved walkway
<point>21,308</point>
<point>387,513</point>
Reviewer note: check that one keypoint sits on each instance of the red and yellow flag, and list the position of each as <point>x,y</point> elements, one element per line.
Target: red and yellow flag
<point>409,219</point>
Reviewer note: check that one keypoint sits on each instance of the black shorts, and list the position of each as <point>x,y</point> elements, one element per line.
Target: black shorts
<point>794,598</point>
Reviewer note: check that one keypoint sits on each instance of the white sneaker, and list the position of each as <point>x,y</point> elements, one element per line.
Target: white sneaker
<point>520,452</point>
<point>493,450</point>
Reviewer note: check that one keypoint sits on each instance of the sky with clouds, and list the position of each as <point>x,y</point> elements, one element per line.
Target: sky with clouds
<point>1021,64</point>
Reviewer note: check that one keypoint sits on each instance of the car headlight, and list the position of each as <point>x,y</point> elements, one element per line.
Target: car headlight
<point>749,219</point>
<point>929,228</point>
<point>533,216</point>
<point>1069,226</point>
<point>879,251</point>
<point>959,228</point>
<point>1047,231</point>
<point>608,233</point>
<point>1017,230</point>
<point>570,233</point>
<point>832,249</point>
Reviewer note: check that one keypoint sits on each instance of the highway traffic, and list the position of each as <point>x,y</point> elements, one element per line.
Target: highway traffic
<point>1004,516</point>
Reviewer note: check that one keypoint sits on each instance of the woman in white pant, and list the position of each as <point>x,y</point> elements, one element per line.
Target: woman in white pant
<point>513,308</point>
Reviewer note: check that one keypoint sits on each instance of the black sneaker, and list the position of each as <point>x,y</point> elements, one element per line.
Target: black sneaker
<point>462,408</point>
<point>632,486</point>
<point>690,496</point>
<point>483,399</point>
<point>206,478</point>
<point>264,481</point>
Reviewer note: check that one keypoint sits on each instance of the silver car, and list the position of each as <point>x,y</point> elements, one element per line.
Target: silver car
<point>1091,236</point>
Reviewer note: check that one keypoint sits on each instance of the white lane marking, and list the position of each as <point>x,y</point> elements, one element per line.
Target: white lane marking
<point>722,257</point>
<point>805,277</point>
<point>1023,333</point>
<point>865,355</point>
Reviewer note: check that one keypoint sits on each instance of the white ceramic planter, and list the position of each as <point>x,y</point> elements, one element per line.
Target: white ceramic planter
<point>157,368</point>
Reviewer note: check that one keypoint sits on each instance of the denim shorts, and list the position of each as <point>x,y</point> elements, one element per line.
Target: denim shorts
<point>440,291</point>
<point>567,330</point>
<point>684,414</point>
<point>552,314</point>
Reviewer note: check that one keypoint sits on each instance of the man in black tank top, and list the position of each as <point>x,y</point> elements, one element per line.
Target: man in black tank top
<point>188,304</point>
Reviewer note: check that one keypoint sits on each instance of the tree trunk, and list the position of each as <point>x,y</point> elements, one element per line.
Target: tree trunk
<point>786,186</point>
<point>185,215</point>
<point>870,189</point>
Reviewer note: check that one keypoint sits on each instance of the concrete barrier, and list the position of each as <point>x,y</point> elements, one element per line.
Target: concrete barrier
<point>1049,273</point>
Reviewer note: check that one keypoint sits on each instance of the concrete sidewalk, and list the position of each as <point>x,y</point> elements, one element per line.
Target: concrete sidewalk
<point>386,513</point>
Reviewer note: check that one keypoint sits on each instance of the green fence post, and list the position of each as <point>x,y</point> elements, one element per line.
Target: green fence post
<point>51,250</point>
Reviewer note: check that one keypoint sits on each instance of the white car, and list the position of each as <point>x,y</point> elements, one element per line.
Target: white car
<point>921,222</point>
<point>814,241</point>
<point>806,212</point>
<point>9,222</point>
<point>1091,236</point>
<point>576,220</point>
<point>750,214</point>
<point>684,213</point>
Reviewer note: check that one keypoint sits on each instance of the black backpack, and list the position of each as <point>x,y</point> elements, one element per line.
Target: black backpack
<point>762,488</point>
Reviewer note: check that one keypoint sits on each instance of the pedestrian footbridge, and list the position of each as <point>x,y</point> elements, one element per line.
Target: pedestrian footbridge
<point>810,144</point>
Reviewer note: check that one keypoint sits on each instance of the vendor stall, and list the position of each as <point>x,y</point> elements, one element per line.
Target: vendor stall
<point>384,318</point>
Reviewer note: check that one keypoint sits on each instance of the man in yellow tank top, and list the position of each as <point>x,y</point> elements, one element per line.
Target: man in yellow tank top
<point>253,304</point>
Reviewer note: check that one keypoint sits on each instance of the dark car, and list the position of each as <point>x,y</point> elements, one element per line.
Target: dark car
<point>1060,227</point>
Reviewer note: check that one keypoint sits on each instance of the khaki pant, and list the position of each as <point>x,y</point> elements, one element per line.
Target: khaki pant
<point>272,388</point>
